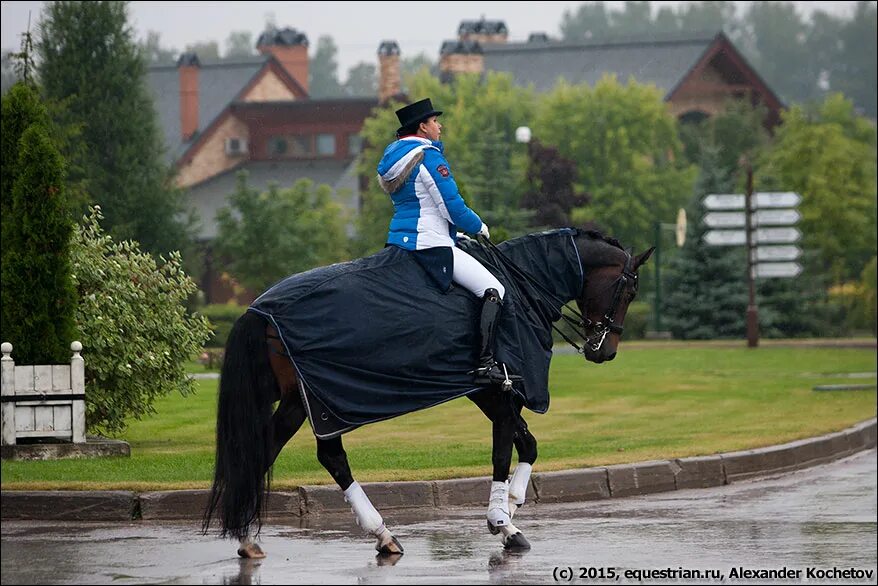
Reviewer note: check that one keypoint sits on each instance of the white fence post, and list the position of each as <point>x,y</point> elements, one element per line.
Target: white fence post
<point>7,388</point>
<point>77,386</point>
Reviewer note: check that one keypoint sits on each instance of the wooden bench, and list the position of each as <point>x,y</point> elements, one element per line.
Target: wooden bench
<point>43,402</point>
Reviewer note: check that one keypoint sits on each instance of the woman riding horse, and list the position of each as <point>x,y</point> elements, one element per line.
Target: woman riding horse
<point>264,364</point>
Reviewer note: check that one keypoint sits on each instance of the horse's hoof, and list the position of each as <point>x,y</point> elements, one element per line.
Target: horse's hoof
<point>492,529</point>
<point>251,551</point>
<point>516,542</point>
<point>387,559</point>
<point>391,547</point>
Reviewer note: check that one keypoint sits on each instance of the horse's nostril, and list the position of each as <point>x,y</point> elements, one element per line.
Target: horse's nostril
<point>611,356</point>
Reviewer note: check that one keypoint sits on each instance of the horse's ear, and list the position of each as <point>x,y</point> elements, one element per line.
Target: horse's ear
<point>642,258</point>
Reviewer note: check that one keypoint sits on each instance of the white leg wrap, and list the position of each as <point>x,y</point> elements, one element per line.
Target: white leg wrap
<point>367,516</point>
<point>498,504</point>
<point>519,482</point>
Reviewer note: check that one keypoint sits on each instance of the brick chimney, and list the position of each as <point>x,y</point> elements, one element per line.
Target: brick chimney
<point>389,84</point>
<point>187,69</point>
<point>460,57</point>
<point>485,32</point>
<point>290,47</point>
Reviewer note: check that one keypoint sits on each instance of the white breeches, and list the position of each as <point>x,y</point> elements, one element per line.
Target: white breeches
<point>472,276</point>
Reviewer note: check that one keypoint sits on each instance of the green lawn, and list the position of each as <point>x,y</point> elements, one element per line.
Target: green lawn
<point>653,402</point>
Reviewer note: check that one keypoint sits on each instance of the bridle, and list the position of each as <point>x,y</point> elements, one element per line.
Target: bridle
<point>593,333</point>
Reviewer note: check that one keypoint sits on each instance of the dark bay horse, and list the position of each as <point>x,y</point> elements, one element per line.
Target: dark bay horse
<point>258,372</point>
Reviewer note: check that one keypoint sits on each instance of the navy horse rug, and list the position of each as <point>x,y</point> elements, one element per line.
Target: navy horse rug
<point>375,338</point>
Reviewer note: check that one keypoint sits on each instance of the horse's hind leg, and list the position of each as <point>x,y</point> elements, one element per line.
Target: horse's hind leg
<point>285,421</point>
<point>526,446</point>
<point>331,454</point>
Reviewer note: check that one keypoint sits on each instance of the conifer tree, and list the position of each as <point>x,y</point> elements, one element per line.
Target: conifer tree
<point>90,62</point>
<point>38,298</point>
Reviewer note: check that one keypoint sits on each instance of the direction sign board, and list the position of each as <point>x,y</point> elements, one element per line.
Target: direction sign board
<point>774,253</point>
<point>777,235</point>
<point>776,269</point>
<point>725,237</point>
<point>781,217</point>
<point>725,219</point>
<point>783,199</point>
<point>724,201</point>
<point>761,200</point>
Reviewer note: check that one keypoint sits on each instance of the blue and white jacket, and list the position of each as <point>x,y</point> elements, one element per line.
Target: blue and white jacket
<point>429,209</point>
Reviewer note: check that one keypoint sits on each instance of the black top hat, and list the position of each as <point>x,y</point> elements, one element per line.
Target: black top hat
<point>414,113</point>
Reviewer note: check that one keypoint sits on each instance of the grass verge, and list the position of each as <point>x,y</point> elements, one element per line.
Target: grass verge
<point>652,402</point>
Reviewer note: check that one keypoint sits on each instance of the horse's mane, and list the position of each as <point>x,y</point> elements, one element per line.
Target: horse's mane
<point>595,234</point>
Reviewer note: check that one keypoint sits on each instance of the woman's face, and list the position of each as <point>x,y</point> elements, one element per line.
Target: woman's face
<point>431,128</point>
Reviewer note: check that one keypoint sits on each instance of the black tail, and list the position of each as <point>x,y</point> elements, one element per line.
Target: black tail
<point>247,389</point>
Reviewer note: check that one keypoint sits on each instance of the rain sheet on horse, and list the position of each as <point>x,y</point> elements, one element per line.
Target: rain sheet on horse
<point>375,338</point>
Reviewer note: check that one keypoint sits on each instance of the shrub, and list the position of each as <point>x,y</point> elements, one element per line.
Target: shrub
<point>135,331</point>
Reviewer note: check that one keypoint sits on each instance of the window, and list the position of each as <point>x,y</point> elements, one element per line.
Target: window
<point>355,144</point>
<point>300,145</point>
<point>277,145</point>
<point>326,144</point>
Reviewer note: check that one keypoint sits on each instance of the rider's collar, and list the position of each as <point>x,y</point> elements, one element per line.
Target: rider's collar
<point>438,144</point>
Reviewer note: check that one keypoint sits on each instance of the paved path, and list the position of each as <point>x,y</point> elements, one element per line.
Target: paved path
<point>822,520</point>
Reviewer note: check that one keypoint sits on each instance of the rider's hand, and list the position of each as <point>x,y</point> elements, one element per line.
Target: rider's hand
<point>462,236</point>
<point>483,231</point>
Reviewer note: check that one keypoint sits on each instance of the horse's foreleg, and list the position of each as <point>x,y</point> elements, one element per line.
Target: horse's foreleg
<point>499,514</point>
<point>332,456</point>
<point>509,429</point>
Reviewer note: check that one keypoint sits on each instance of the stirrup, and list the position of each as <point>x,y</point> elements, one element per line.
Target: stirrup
<point>491,374</point>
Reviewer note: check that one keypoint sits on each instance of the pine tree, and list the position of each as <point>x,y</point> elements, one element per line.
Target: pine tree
<point>37,291</point>
<point>90,62</point>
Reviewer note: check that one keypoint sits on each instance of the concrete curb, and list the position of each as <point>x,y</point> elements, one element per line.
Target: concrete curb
<point>586,484</point>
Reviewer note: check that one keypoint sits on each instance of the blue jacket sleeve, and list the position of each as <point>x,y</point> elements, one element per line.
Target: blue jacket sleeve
<point>443,190</point>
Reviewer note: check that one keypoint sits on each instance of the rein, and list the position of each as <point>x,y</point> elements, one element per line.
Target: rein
<point>599,329</point>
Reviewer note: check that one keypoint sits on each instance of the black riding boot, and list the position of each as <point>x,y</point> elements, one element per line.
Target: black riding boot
<point>489,372</point>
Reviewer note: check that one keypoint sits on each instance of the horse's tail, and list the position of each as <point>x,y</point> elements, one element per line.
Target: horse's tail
<point>247,389</point>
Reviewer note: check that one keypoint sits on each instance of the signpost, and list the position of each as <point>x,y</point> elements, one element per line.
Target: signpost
<point>765,223</point>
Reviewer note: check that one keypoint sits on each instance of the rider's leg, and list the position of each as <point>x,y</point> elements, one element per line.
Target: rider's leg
<point>332,456</point>
<point>470,274</point>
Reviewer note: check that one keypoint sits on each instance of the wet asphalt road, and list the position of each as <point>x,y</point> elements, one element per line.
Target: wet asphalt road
<point>821,520</point>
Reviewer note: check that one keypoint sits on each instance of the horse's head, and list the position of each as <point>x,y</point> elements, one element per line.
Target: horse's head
<point>609,286</point>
